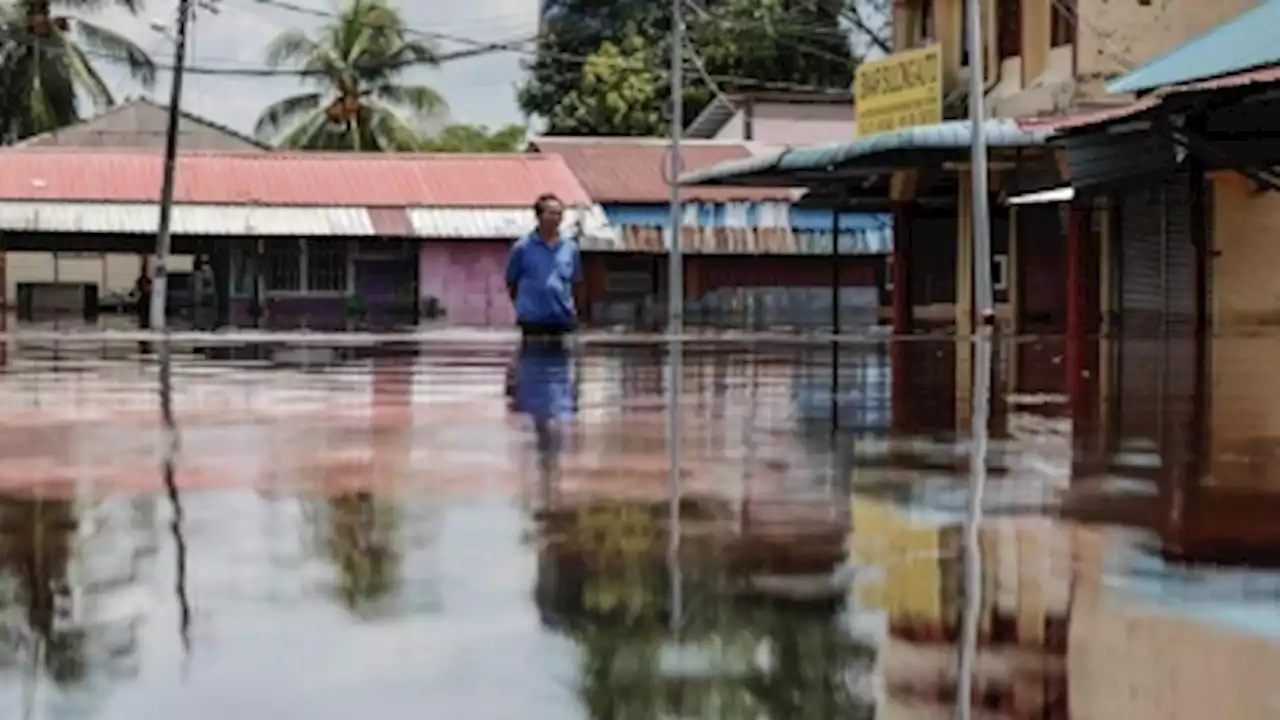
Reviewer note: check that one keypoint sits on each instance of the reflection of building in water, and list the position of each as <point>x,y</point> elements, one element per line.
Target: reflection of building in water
<point>912,584</point>
<point>78,588</point>
<point>1191,644</point>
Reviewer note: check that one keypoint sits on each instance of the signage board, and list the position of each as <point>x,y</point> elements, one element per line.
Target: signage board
<point>900,91</point>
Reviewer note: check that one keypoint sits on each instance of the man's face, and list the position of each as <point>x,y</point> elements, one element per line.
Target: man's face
<point>552,214</point>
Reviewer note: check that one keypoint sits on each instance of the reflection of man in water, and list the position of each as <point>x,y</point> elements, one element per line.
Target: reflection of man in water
<point>544,391</point>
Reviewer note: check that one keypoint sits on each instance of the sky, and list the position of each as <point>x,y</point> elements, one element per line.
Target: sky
<point>478,90</point>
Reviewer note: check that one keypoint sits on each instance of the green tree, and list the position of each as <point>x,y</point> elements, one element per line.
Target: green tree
<point>356,64</point>
<point>48,61</point>
<point>477,139</point>
<point>742,44</point>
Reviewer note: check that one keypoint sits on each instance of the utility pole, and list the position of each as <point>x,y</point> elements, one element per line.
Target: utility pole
<point>675,312</point>
<point>983,299</point>
<point>164,242</point>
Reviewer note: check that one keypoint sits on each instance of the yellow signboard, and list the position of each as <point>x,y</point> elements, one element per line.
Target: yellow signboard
<point>901,91</point>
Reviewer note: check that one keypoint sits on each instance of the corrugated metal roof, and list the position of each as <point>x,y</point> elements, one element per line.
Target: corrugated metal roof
<point>261,221</point>
<point>289,179</point>
<point>143,219</point>
<point>952,135</point>
<point>1156,99</point>
<point>755,241</point>
<point>635,170</point>
<point>455,223</point>
<point>1244,42</point>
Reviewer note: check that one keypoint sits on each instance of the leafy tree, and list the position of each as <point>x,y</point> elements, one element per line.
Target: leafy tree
<point>48,60</point>
<point>358,102</point>
<point>593,50</point>
<point>477,139</point>
<point>617,93</point>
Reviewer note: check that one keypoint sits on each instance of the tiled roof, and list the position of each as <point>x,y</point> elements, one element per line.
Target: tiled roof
<point>289,179</point>
<point>635,170</point>
<point>1246,41</point>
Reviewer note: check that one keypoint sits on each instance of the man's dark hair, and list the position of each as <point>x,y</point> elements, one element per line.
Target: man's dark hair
<point>540,204</point>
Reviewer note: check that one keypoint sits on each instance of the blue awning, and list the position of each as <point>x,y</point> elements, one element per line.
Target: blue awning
<point>951,136</point>
<point>1246,42</point>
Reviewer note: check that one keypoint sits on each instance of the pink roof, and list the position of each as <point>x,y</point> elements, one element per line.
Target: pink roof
<point>290,179</point>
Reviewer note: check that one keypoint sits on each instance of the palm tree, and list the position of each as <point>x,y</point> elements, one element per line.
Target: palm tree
<point>355,63</point>
<point>47,63</point>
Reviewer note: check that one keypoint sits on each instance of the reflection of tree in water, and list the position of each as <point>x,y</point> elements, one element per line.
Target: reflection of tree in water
<point>35,547</point>
<point>741,659</point>
<point>362,540</point>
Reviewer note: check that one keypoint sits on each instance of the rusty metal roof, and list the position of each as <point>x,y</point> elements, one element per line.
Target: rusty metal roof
<point>636,170</point>
<point>288,179</point>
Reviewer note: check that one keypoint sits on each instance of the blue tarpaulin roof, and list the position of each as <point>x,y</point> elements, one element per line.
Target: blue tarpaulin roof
<point>1248,41</point>
<point>952,135</point>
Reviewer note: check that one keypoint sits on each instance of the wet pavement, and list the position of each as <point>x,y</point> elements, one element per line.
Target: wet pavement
<point>449,527</point>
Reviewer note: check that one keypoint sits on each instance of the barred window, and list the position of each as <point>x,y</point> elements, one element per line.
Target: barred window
<point>327,265</point>
<point>283,259</point>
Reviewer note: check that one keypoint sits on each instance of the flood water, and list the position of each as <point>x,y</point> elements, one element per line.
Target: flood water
<point>449,527</point>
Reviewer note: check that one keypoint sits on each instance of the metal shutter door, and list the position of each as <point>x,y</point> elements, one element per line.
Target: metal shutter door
<point>1141,303</point>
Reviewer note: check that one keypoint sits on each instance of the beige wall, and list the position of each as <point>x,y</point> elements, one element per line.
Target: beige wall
<point>1245,412</point>
<point>111,272</point>
<point>1112,36</point>
<point>1116,33</point>
<point>793,123</point>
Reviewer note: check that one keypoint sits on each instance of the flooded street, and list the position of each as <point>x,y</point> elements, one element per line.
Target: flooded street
<point>447,527</point>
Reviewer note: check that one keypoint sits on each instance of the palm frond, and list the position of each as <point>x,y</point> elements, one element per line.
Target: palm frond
<point>84,75</point>
<point>283,113</point>
<point>423,102</point>
<point>291,46</point>
<point>308,134</point>
<point>99,40</point>
<point>392,132</point>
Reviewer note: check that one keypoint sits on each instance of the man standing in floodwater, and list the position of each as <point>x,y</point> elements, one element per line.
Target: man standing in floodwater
<point>542,269</point>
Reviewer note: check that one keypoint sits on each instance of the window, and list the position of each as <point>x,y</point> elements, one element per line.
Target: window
<point>1000,273</point>
<point>283,259</point>
<point>928,32</point>
<point>1009,28</point>
<point>1063,23</point>
<point>326,265</point>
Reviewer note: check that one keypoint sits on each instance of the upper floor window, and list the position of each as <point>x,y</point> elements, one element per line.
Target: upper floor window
<point>1009,28</point>
<point>1063,28</point>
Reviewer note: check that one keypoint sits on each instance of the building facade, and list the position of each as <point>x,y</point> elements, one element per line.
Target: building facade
<point>754,257</point>
<point>315,240</point>
<point>138,124</point>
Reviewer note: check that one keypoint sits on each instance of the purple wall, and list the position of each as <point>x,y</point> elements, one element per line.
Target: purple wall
<point>468,278</point>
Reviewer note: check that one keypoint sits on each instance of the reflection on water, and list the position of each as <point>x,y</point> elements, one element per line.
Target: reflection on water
<point>390,528</point>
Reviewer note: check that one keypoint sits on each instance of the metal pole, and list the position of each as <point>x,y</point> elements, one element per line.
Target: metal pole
<point>983,297</point>
<point>972,615</point>
<point>160,285</point>
<point>675,312</point>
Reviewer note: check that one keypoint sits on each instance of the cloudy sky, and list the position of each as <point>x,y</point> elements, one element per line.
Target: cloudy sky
<point>479,90</point>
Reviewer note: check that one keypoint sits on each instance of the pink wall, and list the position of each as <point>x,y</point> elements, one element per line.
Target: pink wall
<point>468,277</point>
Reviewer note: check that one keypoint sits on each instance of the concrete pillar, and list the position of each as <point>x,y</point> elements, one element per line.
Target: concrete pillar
<point>903,308</point>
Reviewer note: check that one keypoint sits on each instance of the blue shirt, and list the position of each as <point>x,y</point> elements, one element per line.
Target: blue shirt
<point>544,275</point>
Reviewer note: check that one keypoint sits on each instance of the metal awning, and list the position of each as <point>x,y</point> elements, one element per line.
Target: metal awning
<point>449,223</point>
<point>1246,41</point>
<point>1062,194</point>
<point>900,150</point>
